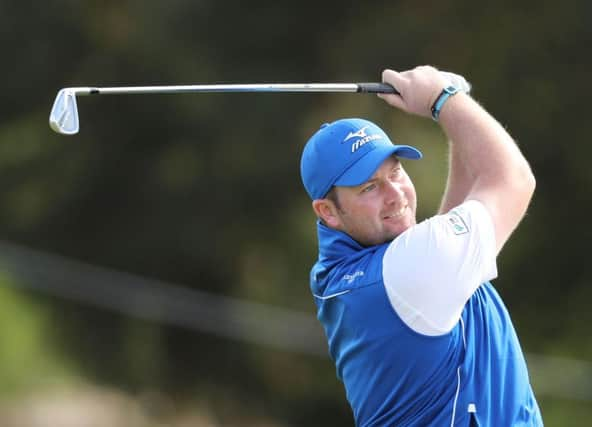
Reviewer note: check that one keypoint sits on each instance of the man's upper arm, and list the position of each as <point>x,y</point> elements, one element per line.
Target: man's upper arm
<point>432,269</point>
<point>506,212</point>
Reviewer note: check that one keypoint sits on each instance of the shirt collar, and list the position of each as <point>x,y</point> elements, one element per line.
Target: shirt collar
<point>336,250</point>
<point>334,244</point>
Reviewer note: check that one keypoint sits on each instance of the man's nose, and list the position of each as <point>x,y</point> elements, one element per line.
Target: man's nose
<point>394,192</point>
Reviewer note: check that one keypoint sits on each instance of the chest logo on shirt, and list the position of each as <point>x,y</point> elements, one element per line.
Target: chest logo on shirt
<point>351,277</point>
<point>457,223</point>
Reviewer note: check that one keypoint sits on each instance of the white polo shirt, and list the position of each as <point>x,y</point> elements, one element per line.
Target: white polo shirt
<point>425,282</point>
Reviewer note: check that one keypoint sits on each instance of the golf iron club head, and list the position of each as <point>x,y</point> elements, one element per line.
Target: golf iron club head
<point>64,113</point>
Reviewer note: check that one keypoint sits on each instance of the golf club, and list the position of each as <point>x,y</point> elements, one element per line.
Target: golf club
<point>64,113</point>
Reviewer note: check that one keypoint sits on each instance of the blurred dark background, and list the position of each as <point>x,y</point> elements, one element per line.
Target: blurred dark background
<point>154,267</point>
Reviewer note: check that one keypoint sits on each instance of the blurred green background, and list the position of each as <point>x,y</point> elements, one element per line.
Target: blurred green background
<point>154,267</point>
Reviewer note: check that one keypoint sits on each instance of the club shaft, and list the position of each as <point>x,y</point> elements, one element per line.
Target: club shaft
<point>263,87</point>
<point>63,117</point>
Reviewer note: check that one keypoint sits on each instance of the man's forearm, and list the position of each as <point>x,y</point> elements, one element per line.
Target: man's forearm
<point>459,180</point>
<point>485,163</point>
<point>466,130</point>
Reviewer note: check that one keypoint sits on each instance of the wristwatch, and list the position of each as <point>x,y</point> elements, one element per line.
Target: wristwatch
<point>446,93</point>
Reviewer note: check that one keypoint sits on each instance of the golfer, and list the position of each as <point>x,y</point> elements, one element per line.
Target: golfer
<point>418,334</point>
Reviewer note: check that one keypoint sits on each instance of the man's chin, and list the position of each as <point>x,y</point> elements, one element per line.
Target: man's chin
<point>390,238</point>
<point>386,238</point>
<point>392,235</point>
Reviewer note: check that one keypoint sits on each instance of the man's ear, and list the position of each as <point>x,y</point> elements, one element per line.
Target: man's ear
<point>326,210</point>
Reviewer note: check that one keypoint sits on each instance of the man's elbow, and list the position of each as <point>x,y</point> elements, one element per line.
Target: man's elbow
<point>528,182</point>
<point>520,188</point>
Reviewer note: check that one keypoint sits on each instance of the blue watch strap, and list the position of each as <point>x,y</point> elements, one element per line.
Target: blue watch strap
<point>446,93</point>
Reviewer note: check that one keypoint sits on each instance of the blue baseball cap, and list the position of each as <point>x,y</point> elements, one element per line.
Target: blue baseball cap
<point>346,153</point>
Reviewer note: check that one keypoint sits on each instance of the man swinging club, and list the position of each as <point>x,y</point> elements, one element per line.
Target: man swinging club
<point>418,335</point>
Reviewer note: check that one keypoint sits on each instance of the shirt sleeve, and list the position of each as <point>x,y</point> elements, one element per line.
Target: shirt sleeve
<point>432,269</point>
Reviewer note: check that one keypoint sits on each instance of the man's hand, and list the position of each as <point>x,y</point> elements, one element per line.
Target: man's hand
<point>419,88</point>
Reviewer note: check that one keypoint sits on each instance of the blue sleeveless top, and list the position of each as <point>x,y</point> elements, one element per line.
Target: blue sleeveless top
<point>475,375</point>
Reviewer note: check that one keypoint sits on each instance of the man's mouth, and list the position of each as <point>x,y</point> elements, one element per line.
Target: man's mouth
<point>397,214</point>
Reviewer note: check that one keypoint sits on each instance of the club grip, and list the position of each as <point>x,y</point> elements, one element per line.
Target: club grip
<point>376,88</point>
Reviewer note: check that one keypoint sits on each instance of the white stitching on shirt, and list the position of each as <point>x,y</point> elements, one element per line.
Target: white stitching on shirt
<point>462,325</point>
<point>332,295</point>
<point>455,396</point>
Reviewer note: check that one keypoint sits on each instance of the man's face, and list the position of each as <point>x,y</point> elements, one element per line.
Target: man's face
<point>381,208</point>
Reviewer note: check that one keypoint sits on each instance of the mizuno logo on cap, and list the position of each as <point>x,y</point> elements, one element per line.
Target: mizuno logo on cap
<point>358,134</point>
<point>363,141</point>
<point>363,138</point>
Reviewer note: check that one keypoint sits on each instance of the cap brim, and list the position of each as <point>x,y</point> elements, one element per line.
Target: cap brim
<point>363,169</point>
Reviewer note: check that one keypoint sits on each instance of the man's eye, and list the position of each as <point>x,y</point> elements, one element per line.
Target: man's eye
<point>368,188</point>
